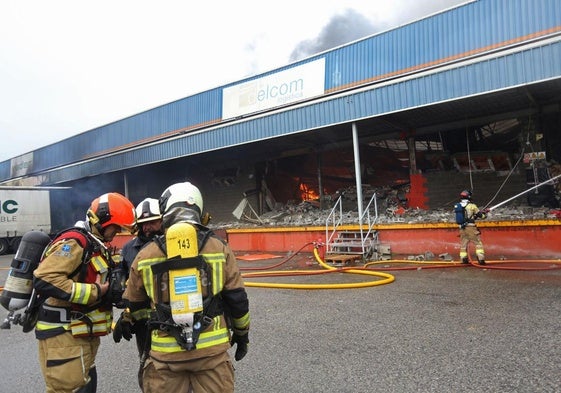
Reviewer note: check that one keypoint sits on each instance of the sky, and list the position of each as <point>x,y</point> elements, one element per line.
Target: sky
<point>69,66</point>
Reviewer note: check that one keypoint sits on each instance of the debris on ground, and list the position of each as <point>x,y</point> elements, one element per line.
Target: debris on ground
<point>306,215</point>
<point>391,208</point>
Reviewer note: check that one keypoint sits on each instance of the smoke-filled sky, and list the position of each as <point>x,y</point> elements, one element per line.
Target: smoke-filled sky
<point>69,66</point>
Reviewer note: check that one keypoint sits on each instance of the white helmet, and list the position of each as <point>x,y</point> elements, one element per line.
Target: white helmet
<point>181,195</point>
<point>148,210</point>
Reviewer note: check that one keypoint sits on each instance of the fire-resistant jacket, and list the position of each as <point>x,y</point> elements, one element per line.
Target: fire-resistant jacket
<point>226,282</point>
<point>71,304</point>
<point>471,212</point>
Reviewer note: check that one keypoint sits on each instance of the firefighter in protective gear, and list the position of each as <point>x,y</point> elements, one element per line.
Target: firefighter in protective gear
<point>149,225</point>
<point>190,339</point>
<point>72,279</point>
<point>469,233</point>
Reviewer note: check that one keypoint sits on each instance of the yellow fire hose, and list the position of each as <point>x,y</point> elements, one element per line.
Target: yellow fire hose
<point>386,278</point>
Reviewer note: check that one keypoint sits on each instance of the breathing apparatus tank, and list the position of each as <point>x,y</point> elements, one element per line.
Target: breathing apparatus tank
<point>19,283</point>
<point>185,291</point>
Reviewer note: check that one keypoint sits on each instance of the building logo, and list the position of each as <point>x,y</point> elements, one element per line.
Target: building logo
<point>285,87</point>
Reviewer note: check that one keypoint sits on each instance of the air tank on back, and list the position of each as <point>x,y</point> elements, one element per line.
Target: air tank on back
<point>19,283</point>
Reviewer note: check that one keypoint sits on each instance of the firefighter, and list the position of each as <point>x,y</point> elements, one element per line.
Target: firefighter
<point>149,225</point>
<point>467,213</point>
<point>190,339</point>
<point>73,280</point>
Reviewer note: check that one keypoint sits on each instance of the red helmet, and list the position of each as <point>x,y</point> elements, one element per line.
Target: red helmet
<point>465,194</point>
<point>111,208</point>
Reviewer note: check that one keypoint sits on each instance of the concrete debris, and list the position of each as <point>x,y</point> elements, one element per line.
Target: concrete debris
<point>307,214</point>
<point>391,209</point>
<point>429,256</point>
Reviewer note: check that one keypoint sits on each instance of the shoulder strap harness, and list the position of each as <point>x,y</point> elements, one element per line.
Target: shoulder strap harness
<point>162,319</point>
<point>89,245</point>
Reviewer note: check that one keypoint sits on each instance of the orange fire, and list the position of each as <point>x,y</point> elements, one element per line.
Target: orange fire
<point>307,193</point>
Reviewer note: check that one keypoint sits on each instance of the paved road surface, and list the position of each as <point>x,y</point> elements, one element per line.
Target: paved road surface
<point>432,330</point>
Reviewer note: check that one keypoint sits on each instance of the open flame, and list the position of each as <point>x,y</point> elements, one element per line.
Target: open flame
<point>307,193</point>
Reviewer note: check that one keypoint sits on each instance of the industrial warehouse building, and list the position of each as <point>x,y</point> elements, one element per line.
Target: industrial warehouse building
<point>460,97</point>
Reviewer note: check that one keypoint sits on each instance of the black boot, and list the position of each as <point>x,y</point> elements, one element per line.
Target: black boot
<point>481,262</point>
<point>465,260</point>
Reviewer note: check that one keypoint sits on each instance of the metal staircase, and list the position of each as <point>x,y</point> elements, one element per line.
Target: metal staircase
<point>346,246</point>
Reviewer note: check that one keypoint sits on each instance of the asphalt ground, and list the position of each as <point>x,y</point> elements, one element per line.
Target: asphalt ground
<point>462,329</point>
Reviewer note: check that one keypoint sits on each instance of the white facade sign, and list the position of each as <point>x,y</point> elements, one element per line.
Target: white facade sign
<point>295,84</point>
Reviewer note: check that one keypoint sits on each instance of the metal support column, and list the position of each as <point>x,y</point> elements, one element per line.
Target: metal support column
<point>320,185</point>
<point>358,176</point>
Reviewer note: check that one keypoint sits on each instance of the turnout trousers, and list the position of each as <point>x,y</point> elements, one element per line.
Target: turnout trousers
<point>67,362</point>
<point>214,374</point>
<point>473,235</point>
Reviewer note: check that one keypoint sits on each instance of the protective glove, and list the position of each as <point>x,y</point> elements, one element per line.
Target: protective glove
<point>117,284</point>
<point>124,327</point>
<point>241,339</point>
<point>482,213</point>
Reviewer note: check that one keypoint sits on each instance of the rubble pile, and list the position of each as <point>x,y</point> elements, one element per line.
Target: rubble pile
<point>390,208</point>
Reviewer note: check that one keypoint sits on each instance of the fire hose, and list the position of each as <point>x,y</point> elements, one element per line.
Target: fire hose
<point>502,264</point>
<point>523,192</point>
<point>386,278</point>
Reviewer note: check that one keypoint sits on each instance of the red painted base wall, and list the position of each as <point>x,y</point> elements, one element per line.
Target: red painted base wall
<point>508,241</point>
<point>501,240</point>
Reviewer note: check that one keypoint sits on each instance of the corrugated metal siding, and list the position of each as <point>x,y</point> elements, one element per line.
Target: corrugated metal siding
<point>476,78</point>
<point>5,170</point>
<point>474,28</point>
<point>471,29</point>
<point>140,128</point>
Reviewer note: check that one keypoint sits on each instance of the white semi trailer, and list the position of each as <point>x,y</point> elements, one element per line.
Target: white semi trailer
<point>22,210</point>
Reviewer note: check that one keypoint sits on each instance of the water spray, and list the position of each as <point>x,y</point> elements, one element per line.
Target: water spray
<point>524,192</point>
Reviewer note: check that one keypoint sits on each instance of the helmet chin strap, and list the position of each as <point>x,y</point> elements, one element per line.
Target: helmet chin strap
<point>94,220</point>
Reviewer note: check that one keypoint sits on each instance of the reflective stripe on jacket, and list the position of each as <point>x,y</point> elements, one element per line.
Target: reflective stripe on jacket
<point>216,333</point>
<point>224,275</point>
<point>56,315</point>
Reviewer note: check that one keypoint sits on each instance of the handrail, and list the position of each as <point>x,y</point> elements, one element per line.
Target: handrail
<point>369,220</point>
<point>336,222</point>
<point>335,218</point>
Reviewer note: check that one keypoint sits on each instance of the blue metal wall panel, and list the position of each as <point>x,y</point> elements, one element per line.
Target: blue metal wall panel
<point>471,29</point>
<point>5,169</point>
<point>476,78</point>
<point>193,110</point>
